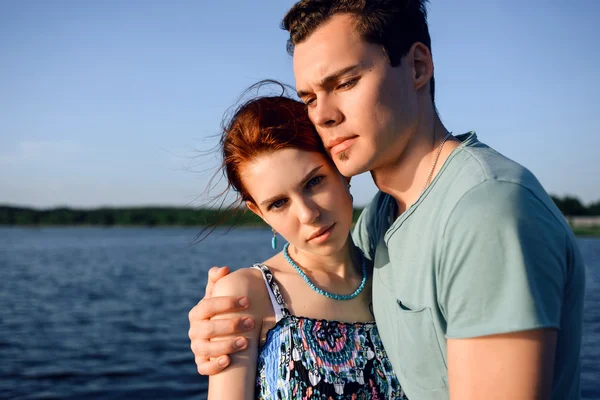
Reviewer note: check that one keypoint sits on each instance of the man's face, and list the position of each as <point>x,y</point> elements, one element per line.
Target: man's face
<point>363,109</point>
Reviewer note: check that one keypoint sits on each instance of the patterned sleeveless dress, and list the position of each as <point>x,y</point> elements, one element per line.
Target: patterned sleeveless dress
<point>305,358</point>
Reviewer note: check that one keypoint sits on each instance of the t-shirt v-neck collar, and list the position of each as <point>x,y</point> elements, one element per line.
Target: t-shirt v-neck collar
<point>466,139</point>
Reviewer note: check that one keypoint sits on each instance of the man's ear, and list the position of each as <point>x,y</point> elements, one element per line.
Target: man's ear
<point>422,66</point>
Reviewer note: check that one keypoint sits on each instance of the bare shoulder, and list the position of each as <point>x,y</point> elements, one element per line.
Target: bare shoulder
<point>243,282</point>
<point>276,264</point>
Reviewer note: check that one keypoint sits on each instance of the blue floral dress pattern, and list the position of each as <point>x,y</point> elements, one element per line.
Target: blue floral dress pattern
<point>305,358</point>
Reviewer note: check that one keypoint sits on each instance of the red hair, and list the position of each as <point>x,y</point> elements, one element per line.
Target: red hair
<point>257,127</point>
<point>261,126</point>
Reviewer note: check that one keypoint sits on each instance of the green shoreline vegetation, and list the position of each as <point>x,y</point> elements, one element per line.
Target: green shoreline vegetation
<point>201,217</point>
<point>587,231</point>
<point>131,216</point>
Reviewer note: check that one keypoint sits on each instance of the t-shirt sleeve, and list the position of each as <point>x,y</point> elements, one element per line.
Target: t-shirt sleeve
<point>369,226</point>
<point>503,263</point>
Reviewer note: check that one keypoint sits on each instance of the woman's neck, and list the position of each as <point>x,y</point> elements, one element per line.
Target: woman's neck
<point>345,263</point>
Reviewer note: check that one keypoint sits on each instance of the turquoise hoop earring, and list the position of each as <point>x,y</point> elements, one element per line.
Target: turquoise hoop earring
<point>274,239</point>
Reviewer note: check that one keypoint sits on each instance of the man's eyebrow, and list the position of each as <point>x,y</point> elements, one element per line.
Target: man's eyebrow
<point>307,178</point>
<point>330,78</point>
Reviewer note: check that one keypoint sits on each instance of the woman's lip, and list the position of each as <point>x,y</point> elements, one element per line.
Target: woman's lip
<point>321,233</point>
<point>343,146</point>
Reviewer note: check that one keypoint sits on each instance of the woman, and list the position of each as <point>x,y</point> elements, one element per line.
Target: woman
<point>315,336</point>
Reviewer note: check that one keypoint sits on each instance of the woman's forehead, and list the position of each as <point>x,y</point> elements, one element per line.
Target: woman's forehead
<point>280,168</point>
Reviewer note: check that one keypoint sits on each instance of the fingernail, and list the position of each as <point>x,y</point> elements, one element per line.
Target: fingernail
<point>243,302</point>
<point>222,362</point>
<point>248,323</point>
<point>240,343</point>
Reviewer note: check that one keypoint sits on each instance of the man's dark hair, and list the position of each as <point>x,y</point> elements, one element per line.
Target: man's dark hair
<point>394,24</point>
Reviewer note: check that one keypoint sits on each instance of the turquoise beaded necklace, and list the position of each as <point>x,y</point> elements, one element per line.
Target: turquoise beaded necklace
<point>321,291</point>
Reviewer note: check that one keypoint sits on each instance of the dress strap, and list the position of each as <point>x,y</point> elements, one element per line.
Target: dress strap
<point>274,292</point>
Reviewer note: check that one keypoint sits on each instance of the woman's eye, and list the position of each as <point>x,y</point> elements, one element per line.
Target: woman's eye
<point>278,204</point>
<point>314,182</point>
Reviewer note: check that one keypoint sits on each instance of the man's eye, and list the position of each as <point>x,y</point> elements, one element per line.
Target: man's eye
<point>348,84</point>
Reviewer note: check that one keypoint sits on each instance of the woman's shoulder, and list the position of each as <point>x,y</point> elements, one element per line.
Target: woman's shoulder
<point>246,282</point>
<point>242,282</point>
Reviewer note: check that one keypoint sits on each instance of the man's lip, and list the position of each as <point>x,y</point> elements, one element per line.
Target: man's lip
<point>320,232</point>
<point>338,140</point>
<point>341,144</point>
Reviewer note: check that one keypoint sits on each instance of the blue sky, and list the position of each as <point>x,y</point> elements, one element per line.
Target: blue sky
<point>108,102</point>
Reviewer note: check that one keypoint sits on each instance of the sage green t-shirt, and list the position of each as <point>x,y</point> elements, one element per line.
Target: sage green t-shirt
<point>483,251</point>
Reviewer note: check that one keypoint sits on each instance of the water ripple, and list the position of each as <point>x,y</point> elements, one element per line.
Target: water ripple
<point>102,313</point>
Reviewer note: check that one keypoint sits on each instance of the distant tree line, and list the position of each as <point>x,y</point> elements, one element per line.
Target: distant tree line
<point>572,207</point>
<point>173,216</point>
<point>142,216</point>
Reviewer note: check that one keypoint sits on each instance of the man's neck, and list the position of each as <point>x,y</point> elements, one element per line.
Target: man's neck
<point>405,177</point>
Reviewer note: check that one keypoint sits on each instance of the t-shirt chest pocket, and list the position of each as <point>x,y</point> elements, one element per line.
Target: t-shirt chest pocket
<point>421,357</point>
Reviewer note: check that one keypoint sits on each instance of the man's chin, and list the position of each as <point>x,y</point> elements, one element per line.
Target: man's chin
<point>348,168</point>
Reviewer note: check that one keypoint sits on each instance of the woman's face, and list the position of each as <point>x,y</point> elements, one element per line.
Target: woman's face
<point>303,197</point>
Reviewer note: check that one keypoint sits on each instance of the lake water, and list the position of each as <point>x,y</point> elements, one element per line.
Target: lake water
<point>90,313</point>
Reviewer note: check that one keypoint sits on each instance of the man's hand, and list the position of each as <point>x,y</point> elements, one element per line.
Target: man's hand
<point>213,356</point>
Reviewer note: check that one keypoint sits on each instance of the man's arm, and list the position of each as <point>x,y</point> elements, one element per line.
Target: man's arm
<point>508,366</point>
<point>213,356</point>
<point>502,277</point>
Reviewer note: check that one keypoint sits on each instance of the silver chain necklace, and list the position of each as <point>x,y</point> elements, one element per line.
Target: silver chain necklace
<point>435,160</point>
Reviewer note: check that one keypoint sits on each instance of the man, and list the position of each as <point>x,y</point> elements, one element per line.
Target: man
<point>478,282</point>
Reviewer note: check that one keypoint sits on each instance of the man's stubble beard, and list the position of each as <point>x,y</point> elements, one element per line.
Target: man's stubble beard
<point>343,156</point>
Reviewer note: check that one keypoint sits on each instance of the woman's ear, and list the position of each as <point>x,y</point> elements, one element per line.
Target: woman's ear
<point>254,208</point>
